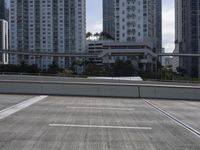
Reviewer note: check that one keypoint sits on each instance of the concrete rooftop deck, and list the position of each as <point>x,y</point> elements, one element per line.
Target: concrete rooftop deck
<point>82,123</point>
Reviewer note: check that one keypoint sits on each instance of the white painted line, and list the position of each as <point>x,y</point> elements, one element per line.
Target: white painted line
<point>103,108</point>
<point>192,130</point>
<point>13,109</point>
<point>96,126</point>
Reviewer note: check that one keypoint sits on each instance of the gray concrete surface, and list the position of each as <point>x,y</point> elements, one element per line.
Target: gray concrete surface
<point>74,89</point>
<point>105,89</point>
<point>161,92</point>
<point>185,111</point>
<point>30,129</point>
<point>10,100</point>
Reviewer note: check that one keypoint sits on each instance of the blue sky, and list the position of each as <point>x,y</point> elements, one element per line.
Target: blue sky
<point>94,20</point>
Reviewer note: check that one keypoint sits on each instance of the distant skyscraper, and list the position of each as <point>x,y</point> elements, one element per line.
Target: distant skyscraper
<point>159,25</point>
<point>2,9</point>
<point>134,20</point>
<point>47,26</point>
<point>109,17</point>
<point>187,35</point>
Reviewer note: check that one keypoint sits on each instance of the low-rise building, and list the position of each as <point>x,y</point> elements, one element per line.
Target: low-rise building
<point>168,62</point>
<point>96,48</point>
<point>108,52</point>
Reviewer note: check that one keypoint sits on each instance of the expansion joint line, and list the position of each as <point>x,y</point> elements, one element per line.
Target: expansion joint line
<point>194,131</point>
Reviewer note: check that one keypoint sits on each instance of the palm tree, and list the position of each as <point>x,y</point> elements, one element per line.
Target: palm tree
<point>97,35</point>
<point>106,36</point>
<point>88,35</point>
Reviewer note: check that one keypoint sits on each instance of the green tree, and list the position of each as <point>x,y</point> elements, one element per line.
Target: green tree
<point>88,35</point>
<point>167,73</point>
<point>9,68</point>
<point>181,71</point>
<point>121,68</point>
<point>105,36</point>
<point>93,70</point>
<point>66,73</point>
<point>97,35</point>
<point>22,68</point>
<point>54,69</point>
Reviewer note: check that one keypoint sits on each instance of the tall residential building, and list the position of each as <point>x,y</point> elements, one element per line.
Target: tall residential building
<point>158,12</point>
<point>187,36</point>
<point>109,17</point>
<point>2,9</point>
<point>47,26</point>
<point>134,20</point>
<point>3,41</point>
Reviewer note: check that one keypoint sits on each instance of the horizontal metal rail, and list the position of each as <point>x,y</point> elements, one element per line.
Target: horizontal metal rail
<point>58,54</point>
<point>55,54</point>
<point>179,55</point>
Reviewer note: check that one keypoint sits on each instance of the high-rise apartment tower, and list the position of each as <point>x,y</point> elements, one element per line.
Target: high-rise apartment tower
<point>187,35</point>
<point>134,21</point>
<point>47,26</point>
<point>109,17</point>
<point>2,9</point>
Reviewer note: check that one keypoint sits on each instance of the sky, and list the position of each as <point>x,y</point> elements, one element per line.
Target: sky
<point>94,21</point>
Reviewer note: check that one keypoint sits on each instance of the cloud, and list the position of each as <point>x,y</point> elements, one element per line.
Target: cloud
<point>94,16</point>
<point>94,27</point>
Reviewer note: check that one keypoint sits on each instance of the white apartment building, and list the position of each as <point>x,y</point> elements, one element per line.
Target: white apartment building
<point>47,26</point>
<point>3,41</point>
<point>137,31</point>
<point>135,20</point>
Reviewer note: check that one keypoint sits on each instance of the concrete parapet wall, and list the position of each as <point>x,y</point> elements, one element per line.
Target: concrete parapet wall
<point>76,89</point>
<point>100,89</point>
<point>170,92</point>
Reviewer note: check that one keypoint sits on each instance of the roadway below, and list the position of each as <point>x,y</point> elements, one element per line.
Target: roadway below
<point>74,123</point>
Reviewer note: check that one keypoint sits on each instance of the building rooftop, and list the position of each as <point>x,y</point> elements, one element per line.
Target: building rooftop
<point>57,122</point>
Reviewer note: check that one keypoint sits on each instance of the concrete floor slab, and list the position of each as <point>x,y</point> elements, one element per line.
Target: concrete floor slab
<point>7,100</point>
<point>186,111</point>
<point>30,128</point>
